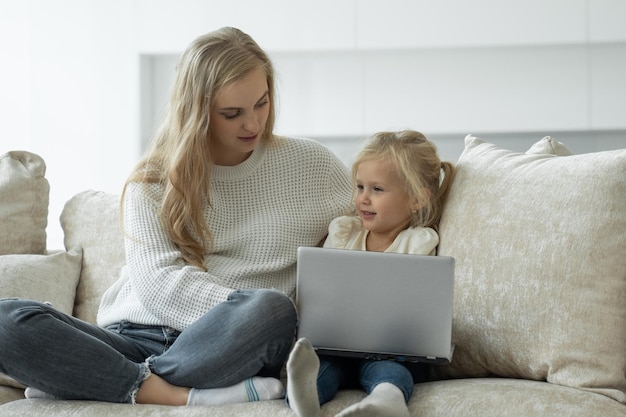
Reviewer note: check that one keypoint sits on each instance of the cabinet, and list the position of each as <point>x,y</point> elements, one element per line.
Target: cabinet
<point>348,68</point>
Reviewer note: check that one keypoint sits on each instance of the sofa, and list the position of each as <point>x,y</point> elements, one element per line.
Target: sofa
<point>539,320</point>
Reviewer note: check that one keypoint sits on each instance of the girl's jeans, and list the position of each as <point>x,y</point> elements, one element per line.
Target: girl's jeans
<point>249,334</point>
<point>339,372</point>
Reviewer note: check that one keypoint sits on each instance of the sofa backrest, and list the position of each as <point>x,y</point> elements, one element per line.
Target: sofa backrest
<point>91,223</point>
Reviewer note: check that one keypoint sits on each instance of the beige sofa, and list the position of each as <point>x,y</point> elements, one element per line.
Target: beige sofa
<point>539,240</point>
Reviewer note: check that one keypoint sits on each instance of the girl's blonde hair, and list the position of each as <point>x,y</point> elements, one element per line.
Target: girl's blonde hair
<point>180,157</point>
<point>418,165</point>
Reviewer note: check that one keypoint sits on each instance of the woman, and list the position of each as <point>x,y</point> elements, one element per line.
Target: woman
<point>202,312</point>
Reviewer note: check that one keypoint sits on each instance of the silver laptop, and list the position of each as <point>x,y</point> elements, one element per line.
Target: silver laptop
<point>376,305</point>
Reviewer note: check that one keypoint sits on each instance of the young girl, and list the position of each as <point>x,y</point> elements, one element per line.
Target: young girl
<point>202,312</point>
<point>401,186</point>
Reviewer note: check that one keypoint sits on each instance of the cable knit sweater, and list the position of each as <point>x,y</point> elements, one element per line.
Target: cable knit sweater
<point>347,232</point>
<point>282,197</point>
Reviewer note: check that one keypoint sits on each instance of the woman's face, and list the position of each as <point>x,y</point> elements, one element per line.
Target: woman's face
<point>238,118</point>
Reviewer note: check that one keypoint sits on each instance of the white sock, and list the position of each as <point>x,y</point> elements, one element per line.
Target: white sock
<point>252,389</point>
<point>31,393</point>
<point>302,368</point>
<point>385,400</point>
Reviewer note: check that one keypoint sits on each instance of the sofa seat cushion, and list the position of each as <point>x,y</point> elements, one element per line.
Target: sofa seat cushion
<point>540,290</point>
<point>24,196</point>
<point>490,397</point>
<point>502,397</point>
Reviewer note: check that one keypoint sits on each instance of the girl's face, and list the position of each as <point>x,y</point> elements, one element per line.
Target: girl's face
<point>382,202</point>
<point>238,118</point>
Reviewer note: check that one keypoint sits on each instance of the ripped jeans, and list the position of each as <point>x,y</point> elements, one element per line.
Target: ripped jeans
<point>249,334</point>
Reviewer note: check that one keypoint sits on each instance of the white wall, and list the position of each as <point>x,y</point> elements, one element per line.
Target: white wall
<point>82,80</point>
<point>69,93</point>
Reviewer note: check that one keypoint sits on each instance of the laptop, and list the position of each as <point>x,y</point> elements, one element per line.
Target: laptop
<point>376,305</point>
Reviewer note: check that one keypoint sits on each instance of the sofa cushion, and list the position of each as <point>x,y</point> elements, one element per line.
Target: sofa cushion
<point>51,278</point>
<point>91,223</point>
<point>540,286</point>
<point>24,194</point>
<point>549,146</point>
<point>505,397</point>
<point>47,278</point>
<point>483,397</point>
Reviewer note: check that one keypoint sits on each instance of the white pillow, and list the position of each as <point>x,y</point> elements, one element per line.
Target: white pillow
<point>91,223</point>
<point>540,245</point>
<point>52,278</point>
<point>24,194</point>
<point>549,146</point>
<point>46,278</point>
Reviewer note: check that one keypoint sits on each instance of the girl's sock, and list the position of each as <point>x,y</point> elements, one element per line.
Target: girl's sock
<point>302,368</point>
<point>31,392</point>
<point>385,400</point>
<point>252,389</point>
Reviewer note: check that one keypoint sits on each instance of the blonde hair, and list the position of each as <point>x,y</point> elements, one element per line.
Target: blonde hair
<point>418,165</point>
<point>180,157</point>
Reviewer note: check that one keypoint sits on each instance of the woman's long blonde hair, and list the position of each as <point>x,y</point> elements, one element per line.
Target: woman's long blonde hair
<point>180,157</point>
<point>419,166</point>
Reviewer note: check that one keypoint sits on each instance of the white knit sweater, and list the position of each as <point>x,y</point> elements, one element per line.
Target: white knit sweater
<point>282,197</point>
<point>347,232</point>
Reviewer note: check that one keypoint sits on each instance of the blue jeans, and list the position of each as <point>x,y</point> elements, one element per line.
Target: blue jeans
<point>249,334</point>
<point>336,373</point>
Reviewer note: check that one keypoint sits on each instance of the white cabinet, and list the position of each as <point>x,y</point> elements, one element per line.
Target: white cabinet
<point>166,26</point>
<point>450,67</point>
<point>454,23</point>
<point>486,89</point>
<point>606,20</point>
<point>454,90</point>
<point>607,92</point>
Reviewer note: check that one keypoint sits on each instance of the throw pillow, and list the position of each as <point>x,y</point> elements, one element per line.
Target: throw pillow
<point>549,146</point>
<point>91,222</point>
<point>24,194</point>
<point>50,278</point>
<point>540,285</point>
